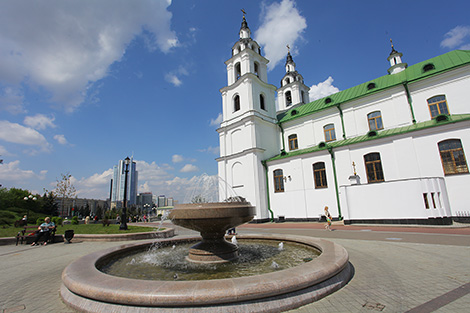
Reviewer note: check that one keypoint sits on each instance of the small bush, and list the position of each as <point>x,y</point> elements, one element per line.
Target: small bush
<point>57,220</point>
<point>75,220</point>
<point>39,221</point>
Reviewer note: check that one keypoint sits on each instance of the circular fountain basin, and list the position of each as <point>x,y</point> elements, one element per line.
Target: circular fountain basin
<point>212,220</point>
<point>87,289</point>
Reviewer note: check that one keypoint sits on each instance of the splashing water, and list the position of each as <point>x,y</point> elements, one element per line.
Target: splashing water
<point>163,218</point>
<point>280,246</point>
<point>234,240</point>
<point>274,265</point>
<point>208,189</point>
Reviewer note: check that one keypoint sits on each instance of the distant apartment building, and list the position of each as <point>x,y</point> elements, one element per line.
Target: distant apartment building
<point>77,206</point>
<point>145,200</point>
<point>118,181</point>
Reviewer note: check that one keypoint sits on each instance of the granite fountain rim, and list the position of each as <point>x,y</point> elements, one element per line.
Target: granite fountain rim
<point>83,278</point>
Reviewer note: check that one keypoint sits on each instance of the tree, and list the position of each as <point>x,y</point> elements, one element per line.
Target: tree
<point>48,204</point>
<point>65,190</point>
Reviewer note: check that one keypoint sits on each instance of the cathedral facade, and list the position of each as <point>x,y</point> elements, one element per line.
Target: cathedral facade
<point>390,150</point>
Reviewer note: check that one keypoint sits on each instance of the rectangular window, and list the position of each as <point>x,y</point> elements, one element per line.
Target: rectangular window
<point>319,175</point>
<point>329,131</point>
<point>433,200</point>
<point>374,168</point>
<point>438,105</point>
<point>278,181</point>
<point>375,120</point>
<point>452,157</point>
<point>426,202</point>
<point>293,144</point>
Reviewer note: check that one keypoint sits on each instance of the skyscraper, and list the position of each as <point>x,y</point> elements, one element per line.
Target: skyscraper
<point>117,184</point>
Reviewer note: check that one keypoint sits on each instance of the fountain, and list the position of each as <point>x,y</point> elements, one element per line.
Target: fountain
<point>88,289</point>
<point>212,220</point>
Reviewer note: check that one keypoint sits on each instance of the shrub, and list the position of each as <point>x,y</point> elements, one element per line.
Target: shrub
<point>75,220</point>
<point>39,221</point>
<point>57,220</point>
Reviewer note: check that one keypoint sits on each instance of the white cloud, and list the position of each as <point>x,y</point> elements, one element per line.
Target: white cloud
<point>217,120</point>
<point>177,158</point>
<point>61,139</point>
<point>11,100</point>
<point>12,173</point>
<point>323,89</point>
<point>456,37</point>
<point>174,76</point>
<point>16,133</point>
<point>210,149</point>
<point>40,121</point>
<point>189,168</point>
<point>173,79</point>
<point>64,46</point>
<point>154,178</point>
<point>282,24</point>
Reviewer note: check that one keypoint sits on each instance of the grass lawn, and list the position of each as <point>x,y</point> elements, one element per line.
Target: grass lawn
<point>85,229</point>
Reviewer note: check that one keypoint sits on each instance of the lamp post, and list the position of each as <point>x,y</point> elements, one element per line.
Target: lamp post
<point>32,198</point>
<point>123,225</point>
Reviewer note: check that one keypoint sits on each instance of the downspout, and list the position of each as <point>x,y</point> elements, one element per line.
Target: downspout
<point>330,150</point>
<point>282,137</point>
<point>267,190</point>
<point>410,101</point>
<point>342,120</point>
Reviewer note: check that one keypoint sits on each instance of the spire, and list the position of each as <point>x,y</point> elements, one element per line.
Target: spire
<point>396,65</point>
<point>244,29</point>
<point>290,64</point>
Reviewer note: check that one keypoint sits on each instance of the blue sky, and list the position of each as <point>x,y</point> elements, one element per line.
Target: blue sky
<point>86,83</point>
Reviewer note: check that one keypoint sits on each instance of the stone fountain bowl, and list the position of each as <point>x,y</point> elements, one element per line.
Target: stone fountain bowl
<point>87,289</point>
<point>212,217</point>
<point>212,220</point>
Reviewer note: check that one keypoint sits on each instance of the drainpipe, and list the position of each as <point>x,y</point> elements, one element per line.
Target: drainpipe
<point>267,190</point>
<point>330,150</point>
<point>282,136</point>
<point>410,101</point>
<point>342,120</point>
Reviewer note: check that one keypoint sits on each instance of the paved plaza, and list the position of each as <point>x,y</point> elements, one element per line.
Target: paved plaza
<point>396,269</point>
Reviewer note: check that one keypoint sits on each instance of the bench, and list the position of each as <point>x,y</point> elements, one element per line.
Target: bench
<point>30,232</point>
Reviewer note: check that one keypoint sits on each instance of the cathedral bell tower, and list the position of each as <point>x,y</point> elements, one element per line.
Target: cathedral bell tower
<point>248,133</point>
<point>396,65</point>
<point>293,90</point>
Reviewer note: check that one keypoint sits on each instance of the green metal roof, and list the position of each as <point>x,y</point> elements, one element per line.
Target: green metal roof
<point>379,134</point>
<point>415,72</point>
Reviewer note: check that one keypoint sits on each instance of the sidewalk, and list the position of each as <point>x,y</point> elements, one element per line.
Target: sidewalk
<point>396,270</point>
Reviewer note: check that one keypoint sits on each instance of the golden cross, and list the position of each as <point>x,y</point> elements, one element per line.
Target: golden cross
<point>244,13</point>
<point>391,42</point>
<point>354,167</point>
<point>288,48</point>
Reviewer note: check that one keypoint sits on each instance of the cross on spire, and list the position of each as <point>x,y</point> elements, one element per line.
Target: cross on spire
<point>391,42</point>
<point>244,13</point>
<point>288,48</point>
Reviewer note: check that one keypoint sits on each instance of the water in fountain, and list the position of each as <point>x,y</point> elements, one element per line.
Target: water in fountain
<point>234,240</point>
<point>162,263</point>
<point>281,246</point>
<point>163,218</point>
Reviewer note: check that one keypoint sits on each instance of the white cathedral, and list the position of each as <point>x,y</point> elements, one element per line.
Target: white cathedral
<point>390,150</point>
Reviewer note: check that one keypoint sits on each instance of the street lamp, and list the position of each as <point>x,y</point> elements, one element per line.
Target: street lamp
<point>32,198</point>
<point>123,225</point>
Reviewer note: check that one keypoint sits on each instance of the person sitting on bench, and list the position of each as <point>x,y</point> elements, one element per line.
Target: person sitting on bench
<point>44,230</point>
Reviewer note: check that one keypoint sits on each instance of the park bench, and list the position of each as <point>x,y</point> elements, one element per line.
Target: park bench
<point>28,232</point>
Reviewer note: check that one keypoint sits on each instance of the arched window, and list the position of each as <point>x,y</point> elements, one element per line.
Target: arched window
<point>238,71</point>
<point>375,120</point>
<point>288,98</point>
<point>261,102</point>
<point>256,69</point>
<point>303,96</point>
<point>438,105</point>
<point>329,131</point>
<point>236,103</point>
<point>373,168</point>
<point>319,175</point>
<point>453,157</point>
<point>293,144</point>
<point>278,181</point>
